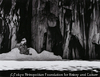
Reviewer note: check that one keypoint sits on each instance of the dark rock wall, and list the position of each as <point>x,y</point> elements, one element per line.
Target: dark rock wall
<point>78,27</point>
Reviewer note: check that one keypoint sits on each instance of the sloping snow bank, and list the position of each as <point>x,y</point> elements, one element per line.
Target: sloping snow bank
<point>14,54</point>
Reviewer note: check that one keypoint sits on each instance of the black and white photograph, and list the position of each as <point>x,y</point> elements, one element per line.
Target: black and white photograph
<point>49,38</point>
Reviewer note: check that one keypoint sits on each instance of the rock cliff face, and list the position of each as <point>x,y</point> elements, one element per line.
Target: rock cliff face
<point>69,28</point>
<point>15,23</point>
<point>78,26</point>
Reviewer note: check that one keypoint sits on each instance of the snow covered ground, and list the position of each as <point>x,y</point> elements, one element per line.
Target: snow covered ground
<point>14,54</point>
<point>51,65</point>
<point>16,61</point>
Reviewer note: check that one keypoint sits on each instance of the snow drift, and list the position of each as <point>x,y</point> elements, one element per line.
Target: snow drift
<point>14,54</point>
